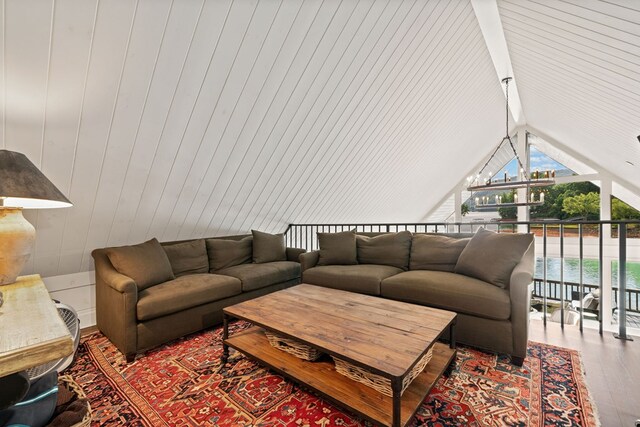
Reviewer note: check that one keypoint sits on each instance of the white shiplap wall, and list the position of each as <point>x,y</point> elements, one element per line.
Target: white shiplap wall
<point>184,118</point>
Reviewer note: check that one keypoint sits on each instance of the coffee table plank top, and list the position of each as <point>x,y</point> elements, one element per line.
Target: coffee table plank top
<point>323,377</point>
<point>395,313</point>
<point>388,337</point>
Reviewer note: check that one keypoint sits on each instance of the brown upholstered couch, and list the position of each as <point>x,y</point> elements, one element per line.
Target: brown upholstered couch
<point>419,269</point>
<point>164,303</point>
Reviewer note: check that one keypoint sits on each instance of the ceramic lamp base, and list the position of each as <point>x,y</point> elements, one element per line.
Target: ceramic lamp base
<point>16,239</point>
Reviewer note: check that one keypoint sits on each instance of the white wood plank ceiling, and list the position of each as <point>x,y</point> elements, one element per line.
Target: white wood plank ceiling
<point>577,63</point>
<point>186,118</point>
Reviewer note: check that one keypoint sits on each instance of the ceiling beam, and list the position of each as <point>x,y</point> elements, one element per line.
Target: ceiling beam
<point>491,26</point>
<point>577,178</point>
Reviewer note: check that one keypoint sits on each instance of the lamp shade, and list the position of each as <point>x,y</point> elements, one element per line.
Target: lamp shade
<point>22,185</point>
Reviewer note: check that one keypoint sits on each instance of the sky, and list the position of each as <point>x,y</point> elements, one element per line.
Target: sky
<point>539,161</point>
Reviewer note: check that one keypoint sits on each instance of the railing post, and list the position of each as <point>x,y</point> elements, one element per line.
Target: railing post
<point>622,283</point>
<point>544,274</point>
<point>562,276</point>
<point>601,277</point>
<point>581,287</point>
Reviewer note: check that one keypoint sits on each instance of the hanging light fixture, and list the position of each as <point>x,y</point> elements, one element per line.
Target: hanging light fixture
<point>536,180</point>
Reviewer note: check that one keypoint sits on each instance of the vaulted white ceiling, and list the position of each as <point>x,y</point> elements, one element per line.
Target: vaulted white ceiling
<point>185,118</point>
<point>577,63</point>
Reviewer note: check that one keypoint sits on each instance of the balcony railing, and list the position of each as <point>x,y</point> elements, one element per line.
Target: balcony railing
<point>572,290</point>
<point>612,234</point>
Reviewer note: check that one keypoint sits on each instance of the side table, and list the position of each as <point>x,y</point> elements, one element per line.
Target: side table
<point>31,331</point>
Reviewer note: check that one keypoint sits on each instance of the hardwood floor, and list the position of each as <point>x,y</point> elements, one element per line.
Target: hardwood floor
<point>612,369</point>
<point>88,330</point>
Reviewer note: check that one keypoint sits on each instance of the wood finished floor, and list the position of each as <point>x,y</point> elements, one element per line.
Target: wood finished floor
<point>612,369</point>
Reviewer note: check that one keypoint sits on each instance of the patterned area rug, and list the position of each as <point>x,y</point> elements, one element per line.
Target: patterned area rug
<point>184,384</point>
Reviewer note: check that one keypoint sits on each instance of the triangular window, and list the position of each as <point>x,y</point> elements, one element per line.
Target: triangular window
<point>542,162</point>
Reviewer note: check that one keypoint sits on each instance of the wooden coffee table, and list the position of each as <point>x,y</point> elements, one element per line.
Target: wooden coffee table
<point>386,337</point>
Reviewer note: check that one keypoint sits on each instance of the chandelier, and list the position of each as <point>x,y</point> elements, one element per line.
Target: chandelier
<point>490,183</point>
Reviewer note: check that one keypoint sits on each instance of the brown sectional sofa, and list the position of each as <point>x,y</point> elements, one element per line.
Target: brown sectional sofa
<point>182,289</point>
<point>493,311</point>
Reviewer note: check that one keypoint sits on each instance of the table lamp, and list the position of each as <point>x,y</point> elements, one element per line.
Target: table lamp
<point>22,185</point>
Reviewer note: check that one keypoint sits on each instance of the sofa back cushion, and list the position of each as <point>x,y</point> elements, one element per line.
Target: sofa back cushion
<point>268,247</point>
<point>147,263</point>
<point>187,257</point>
<point>337,248</point>
<point>227,253</point>
<point>492,256</point>
<point>387,249</point>
<point>435,252</point>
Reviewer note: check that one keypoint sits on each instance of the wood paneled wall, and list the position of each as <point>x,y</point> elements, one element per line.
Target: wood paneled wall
<point>185,118</point>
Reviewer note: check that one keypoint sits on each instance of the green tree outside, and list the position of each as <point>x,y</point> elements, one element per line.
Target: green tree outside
<point>620,210</point>
<point>564,201</point>
<point>508,213</point>
<point>464,209</point>
<point>582,205</point>
<point>554,197</point>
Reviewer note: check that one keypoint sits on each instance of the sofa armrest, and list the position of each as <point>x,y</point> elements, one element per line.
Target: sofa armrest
<point>309,259</point>
<point>117,281</point>
<point>293,254</point>
<point>520,289</point>
<point>116,300</point>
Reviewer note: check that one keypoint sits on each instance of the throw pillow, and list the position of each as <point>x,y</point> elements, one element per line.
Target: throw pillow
<point>188,257</point>
<point>227,253</point>
<point>337,248</point>
<point>387,249</point>
<point>435,252</point>
<point>268,247</point>
<point>492,256</point>
<point>147,263</point>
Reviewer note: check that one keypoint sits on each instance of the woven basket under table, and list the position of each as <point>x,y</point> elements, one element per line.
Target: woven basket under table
<point>74,387</point>
<point>377,382</point>
<point>292,346</point>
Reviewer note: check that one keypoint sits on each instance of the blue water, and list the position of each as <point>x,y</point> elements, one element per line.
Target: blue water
<point>590,271</point>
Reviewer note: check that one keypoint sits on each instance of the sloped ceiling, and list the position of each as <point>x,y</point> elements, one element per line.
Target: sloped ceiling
<point>186,118</point>
<point>577,63</point>
<point>189,118</point>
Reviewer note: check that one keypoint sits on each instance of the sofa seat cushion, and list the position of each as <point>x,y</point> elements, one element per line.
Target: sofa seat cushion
<point>361,278</point>
<point>449,291</point>
<point>183,293</point>
<point>256,276</point>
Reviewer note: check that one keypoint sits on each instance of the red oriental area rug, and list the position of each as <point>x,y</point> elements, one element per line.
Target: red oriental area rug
<point>183,384</point>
